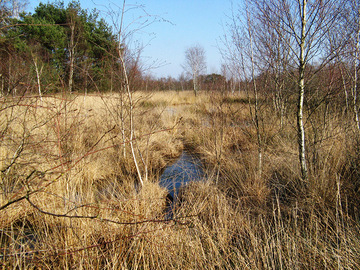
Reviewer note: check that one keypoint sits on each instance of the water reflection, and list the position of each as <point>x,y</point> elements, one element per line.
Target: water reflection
<point>186,169</point>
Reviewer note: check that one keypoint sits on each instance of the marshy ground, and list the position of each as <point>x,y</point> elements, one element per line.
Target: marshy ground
<point>69,201</point>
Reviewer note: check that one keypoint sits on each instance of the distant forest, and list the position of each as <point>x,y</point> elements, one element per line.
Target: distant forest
<point>68,48</point>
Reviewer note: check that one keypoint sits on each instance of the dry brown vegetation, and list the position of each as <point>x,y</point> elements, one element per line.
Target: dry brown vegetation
<point>68,199</point>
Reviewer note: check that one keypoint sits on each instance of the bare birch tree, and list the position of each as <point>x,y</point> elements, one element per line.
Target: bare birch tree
<point>13,7</point>
<point>275,55</point>
<point>351,56</point>
<point>242,54</point>
<point>195,64</point>
<point>256,114</point>
<point>128,59</point>
<point>303,30</point>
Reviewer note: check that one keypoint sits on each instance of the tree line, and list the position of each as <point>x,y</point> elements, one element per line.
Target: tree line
<point>56,47</point>
<point>60,47</point>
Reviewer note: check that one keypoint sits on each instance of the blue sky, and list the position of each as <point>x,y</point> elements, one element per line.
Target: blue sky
<point>190,22</point>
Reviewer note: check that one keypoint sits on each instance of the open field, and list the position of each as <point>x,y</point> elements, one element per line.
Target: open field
<point>70,196</point>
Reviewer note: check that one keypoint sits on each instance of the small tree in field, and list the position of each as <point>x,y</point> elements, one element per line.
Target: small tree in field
<point>301,28</point>
<point>195,64</point>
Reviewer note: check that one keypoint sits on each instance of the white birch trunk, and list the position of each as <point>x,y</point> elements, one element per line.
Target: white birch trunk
<point>195,82</point>
<point>355,78</point>
<point>38,75</point>
<point>131,104</point>
<point>301,93</point>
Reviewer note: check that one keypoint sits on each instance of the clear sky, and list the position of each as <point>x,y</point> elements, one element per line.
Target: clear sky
<point>190,22</point>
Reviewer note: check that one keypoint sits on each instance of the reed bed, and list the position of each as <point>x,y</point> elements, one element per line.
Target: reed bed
<point>69,198</point>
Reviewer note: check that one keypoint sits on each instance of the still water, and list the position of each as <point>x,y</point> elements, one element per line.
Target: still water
<point>186,169</point>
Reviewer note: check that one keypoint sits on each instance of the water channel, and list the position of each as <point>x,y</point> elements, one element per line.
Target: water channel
<point>186,169</point>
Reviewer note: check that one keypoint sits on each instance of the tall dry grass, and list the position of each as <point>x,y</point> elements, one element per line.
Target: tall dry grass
<point>78,206</point>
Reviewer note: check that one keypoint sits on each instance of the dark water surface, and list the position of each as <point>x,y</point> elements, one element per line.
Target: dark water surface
<point>186,169</point>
